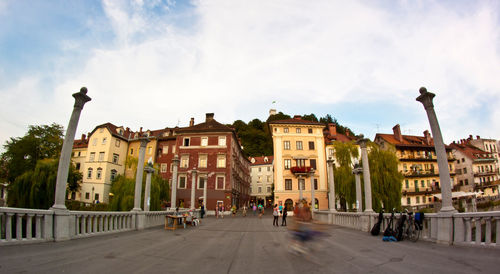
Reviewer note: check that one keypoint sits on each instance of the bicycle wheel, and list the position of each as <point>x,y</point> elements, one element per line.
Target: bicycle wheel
<point>413,231</point>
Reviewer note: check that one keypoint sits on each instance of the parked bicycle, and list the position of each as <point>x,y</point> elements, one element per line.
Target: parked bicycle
<point>411,229</point>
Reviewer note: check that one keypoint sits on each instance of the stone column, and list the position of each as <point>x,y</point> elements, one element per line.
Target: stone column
<point>147,192</point>
<point>173,197</point>
<point>444,173</point>
<point>366,175</point>
<point>205,193</point>
<point>331,185</point>
<point>359,199</point>
<point>193,187</point>
<point>61,213</point>
<point>313,199</point>
<point>65,159</point>
<point>139,174</point>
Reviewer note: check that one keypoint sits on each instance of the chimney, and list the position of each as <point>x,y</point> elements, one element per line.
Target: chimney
<point>210,117</point>
<point>427,136</point>
<point>333,129</point>
<point>470,137</point>
<point>478,137</point>
<point>347,132</point>
<point>397,133</point>
<point>297,117</point>
<point>140,130</point>
<point>191,123</point>
<point>83,137</point>
<point>272,112</point>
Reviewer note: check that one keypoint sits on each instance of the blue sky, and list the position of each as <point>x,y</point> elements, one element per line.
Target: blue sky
<point>156,64</point>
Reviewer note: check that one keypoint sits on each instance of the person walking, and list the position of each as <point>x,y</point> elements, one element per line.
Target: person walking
<point>222,209</point>
<point>275,215</point>
<point>202,210</point>
<point>254,208</point>
<point>261,211</point>
<point>285,213</point>
<point>244,211</point>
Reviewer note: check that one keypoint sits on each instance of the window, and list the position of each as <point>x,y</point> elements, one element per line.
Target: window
<point>92,156</point>
<point>115,158</point>
<point>117,143</point>
<point>315,184</point>
<point>422,183</point>
<point>99,173</point>
<point>184,161</point>
<point>163,168</point>
<point>288,184</point>
<point>201,182</point>
<point>104,140</point>
<point>268,178</point>
<point>221,161</point>
<point>268,168</point>
<point>113,174</point>
<point>87,195</point>
<point>407,184</point>
<point>202,160</point>
<point>222,140</point>
<point>77,166</point>
<point>466,182</point>
<point>301,184</point>
<point>89,173</point>
<point>463,160</point>
<point>96,197</point>
<point>268,189</point>
<point>300,162</point>
<point>408,201</point>
<point>311,145</point>
<point>288,163</point>
<point>182,181</point>
<point>465,170</point>
<point>185,142</point>
<point>204,141</point>
<point>313,163</point>
<point>94,142</point>
<point>165,150</point>
<point>131,151</point>
<point>310,130</point>
<point>220,180</point>
<point>418,199</point>
<point>299,145</point>
<point>297,130</point>
<point>260,169</point>
<point>173,149</point>
<point>149,150</point>
<point>101,156</point>
<point>286,145</point>
<point>259,190</point>
<point>285,130</point>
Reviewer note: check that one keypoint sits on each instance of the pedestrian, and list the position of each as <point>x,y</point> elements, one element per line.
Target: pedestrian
<point>261,211</point>
<point>217,211</point>
<point>233,210</point>
<point>202,210</point>
<point>281,209</point>
<point>244,211</point>
<point>275,215</point>
<point>222,211</point>
<point>254,208</point>
<point>285,213</point>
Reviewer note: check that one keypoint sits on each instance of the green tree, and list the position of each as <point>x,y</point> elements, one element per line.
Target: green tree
<point>40,142</point>
<point>310,117</point>
<point>36,188</point>
<point>385,178</point>
<point>345,188</point>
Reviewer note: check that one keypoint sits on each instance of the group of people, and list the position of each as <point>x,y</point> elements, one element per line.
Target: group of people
<point>277,212</point>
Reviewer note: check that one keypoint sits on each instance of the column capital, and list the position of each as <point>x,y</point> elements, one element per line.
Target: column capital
<point>357,170</point>
<point>362,142</point>
<point>144,141</point>
<point>176,160</point>
<point>330,162</point>
<point>149,169</point>
<point>81,98</point>
<point>426,98</point>
<point>311,173</point>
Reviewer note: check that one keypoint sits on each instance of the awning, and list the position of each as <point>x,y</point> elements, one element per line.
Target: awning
<point>460,194</point>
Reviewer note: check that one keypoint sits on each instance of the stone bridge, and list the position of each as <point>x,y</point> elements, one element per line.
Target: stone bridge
<point>242,245</point>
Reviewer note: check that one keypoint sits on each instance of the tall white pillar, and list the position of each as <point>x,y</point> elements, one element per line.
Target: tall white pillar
<point>65,159</point>
<point>331,186</point>
<point>313,199</point>
<point>173,197</point>
<point>147,192</point>
<point>193,187</point>
<point>300,188</point>
<point>139,174</point>
<point>444,173</point>
<point>359,199</point>
<point>366,175</point>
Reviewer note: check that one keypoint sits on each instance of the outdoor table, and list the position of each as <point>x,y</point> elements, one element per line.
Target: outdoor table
<point>175,221</point>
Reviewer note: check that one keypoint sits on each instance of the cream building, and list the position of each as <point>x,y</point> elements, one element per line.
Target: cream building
<point>78,160</point>
<point>262,180</point>
<point>299,147</point>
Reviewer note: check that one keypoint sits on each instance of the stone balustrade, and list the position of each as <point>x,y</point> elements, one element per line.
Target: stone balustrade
<point>477,229</point>
<point>20,225</point>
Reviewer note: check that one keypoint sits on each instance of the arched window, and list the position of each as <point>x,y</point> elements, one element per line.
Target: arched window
<point>89,173</point>
<point>99,173</point>
<point>113,174</point>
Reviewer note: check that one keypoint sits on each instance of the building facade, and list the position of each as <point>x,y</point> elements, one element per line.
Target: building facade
<point>299,157</point>
<point>262,176</point>
<point>418,164</point>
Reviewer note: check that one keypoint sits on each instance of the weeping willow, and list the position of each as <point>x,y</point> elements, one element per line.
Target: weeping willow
<point>345,189</point>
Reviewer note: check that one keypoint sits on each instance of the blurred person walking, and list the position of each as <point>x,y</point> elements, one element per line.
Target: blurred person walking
<point>275,215</point>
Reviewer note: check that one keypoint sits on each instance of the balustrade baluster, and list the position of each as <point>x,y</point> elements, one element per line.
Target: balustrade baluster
<point>487,235</point>
<point>82,224</point>
<point>477,222</point>
<point>8,226</point>
<point>29,218</point>
<point>19,226</point>
<point>100,218</point>
<point>38,227</point>
<point>468,230</point>
<point>497,237</point>
<point>94,224</point>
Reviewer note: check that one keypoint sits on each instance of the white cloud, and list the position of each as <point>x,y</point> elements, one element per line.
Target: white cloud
<point>236,57</point>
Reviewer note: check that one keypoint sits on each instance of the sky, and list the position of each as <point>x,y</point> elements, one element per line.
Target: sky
<point>157,63</point>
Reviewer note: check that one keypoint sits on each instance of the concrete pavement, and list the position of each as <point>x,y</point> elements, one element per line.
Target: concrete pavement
<point>242,245</point>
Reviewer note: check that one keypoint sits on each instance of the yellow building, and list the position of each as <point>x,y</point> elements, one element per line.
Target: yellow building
<point>78,160</point>
<point>133,149</point>
<point>104,160</point>
<point>299,147</point>
<point>418,164</point>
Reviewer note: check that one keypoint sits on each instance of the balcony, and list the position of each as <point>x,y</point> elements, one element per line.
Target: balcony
<point>420,173</point>
<point>484,185</point>
<point>300,170</point>
<point>421,191</point>
<point>486,173</point>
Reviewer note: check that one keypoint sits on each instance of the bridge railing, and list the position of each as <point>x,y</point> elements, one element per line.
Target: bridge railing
<point>477,229</point>
<point>20,225</point>
<point>92,223</point>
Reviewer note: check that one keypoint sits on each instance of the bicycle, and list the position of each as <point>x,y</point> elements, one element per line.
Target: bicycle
<point>411,229</point>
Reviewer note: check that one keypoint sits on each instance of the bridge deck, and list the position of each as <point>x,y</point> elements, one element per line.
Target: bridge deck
<point>242,245</point>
